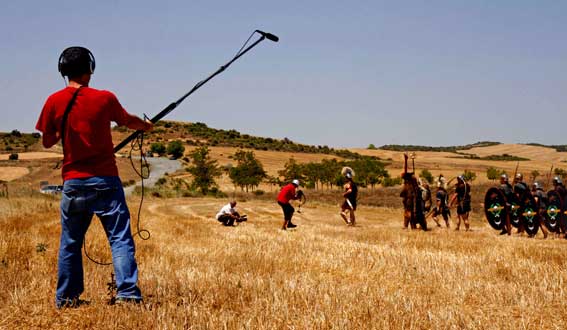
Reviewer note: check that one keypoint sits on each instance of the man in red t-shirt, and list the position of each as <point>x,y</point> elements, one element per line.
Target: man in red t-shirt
<point>287,194</point>
<point>80,117</point>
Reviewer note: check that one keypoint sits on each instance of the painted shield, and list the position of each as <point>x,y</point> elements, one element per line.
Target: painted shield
<point>515,211</point>
<point>564,215</point>
<point>495,208</point>
<point>529,215</point>
<point>553,211</point>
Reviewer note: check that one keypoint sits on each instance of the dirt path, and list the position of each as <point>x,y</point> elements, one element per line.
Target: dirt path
<point>159,166</point>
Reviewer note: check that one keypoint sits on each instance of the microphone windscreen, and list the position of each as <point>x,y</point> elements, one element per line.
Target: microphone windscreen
<point>272,37</point>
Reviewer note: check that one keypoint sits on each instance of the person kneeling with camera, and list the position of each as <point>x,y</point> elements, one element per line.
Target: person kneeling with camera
<point>228,214</point>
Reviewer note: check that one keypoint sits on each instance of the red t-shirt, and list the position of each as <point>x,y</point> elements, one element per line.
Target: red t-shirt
<point>88,149</point>
<point>287,193</point>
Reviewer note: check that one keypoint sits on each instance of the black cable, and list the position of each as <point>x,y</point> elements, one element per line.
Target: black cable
<point>144,234</point>
<point>246,43</point>
<point>138,144</point>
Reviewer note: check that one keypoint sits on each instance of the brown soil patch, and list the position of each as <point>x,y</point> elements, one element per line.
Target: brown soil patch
<point>10,173</point>
<point>33,155</point>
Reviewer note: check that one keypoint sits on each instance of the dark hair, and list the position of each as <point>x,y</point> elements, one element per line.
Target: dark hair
<point>75,61</point>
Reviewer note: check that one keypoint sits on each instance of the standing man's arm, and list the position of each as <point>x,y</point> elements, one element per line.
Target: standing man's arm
<point>137,123</point>
<point>46,125</point>
<point>120,116</point>
<point>49,139</point>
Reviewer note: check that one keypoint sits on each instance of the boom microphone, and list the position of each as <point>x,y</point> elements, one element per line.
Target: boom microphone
<point>268,36</point>
<point>174,104</point>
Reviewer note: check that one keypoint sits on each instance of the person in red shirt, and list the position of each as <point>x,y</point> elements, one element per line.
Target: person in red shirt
<point>80,117</point>
<point>287,194</point>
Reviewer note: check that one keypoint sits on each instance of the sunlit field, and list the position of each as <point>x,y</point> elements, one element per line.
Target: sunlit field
<point>197,274</point>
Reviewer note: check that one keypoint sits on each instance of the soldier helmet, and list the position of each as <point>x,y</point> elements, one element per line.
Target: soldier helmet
<point>519,177</point>
<point>504,177</point>
<point>557,180</point>
<point>461,178</point>
<point>536,185</point>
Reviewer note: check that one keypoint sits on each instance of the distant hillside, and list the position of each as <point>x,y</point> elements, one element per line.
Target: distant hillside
<point>558,147</point>
<point>409,147</point>
<point>18,142</point>
<point>200,134</point>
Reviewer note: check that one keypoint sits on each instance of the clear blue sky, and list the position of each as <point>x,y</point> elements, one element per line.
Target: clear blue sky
<point>344,74</point>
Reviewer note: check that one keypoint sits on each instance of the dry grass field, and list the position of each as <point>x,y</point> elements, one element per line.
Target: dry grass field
<point>197,274</point>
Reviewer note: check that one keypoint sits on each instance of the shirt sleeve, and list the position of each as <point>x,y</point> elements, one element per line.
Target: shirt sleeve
<point>117,113</point>
<point>46,121</point>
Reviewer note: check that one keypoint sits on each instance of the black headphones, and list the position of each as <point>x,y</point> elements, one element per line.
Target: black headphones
<point>75,61</point>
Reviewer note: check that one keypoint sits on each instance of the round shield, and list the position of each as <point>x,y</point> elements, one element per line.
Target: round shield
<point>495,208</point>
<point>563,220</point>
<point>529,215</point>
<point>553,211</point>
<point>515,213</point>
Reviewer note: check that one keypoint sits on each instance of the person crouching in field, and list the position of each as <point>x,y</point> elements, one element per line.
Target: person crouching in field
<point>463,198</point>
<point>411,199</point>
<point>80,116</point>
<point>228,214</point>
<point>284,197</point>
<point>350,195</point>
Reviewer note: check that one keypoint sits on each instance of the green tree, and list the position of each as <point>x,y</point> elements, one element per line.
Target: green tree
<point>369,171</point>
<point>371,146</point>
<point>560,172</point>
<point>158,148</point>
<point>273,181</point>
<point>470,176</point>
<point>313,174</point>
<point>390,182</point>
<point>492,173</point>
<point>249,172</point>
<point>329,171</point>
<point>426,175</point>
<point>175,148</point>
<point>204,170</point>
<point>292,170</point>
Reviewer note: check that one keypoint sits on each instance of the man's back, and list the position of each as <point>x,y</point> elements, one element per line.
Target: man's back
<point>88,148</point>
<point>287,193</point>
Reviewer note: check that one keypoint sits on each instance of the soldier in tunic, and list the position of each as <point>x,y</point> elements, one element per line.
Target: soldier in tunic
<point>441,205</point>
<point>349,205</point>
<point>412,200</point>
<point>463,199</point>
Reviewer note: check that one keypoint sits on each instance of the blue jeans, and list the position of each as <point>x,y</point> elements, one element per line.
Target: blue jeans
<point>81,199</point>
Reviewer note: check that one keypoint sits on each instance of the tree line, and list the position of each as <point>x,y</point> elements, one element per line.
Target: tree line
<point>248,172</point>
<point>199,134</point>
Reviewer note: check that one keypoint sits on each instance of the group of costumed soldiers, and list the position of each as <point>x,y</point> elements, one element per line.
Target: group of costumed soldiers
<point>508,205</point>
<point>418,204</point>
<point>528,210</point>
